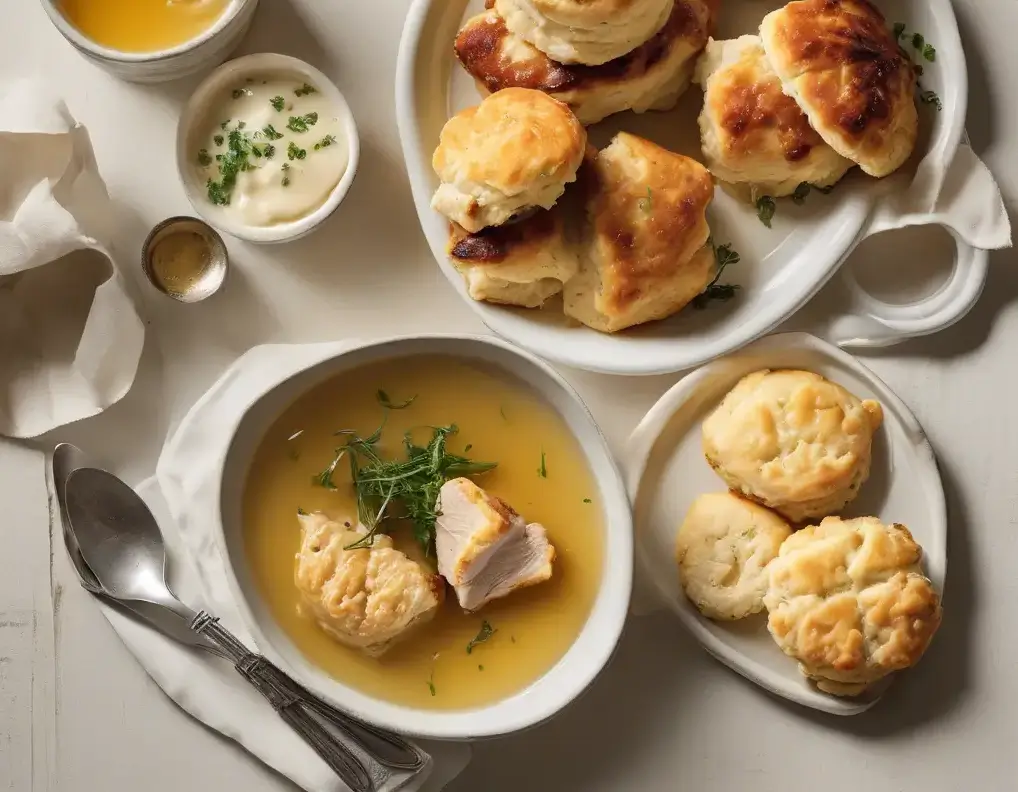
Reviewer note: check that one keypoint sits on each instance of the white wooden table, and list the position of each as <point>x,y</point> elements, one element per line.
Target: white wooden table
<point>78,715</point>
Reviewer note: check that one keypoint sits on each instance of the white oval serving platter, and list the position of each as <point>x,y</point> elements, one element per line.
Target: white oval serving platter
<point>781,267</point>
<point>665,471</point>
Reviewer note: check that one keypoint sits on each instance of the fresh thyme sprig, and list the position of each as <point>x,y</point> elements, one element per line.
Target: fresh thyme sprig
<point>723,256</point>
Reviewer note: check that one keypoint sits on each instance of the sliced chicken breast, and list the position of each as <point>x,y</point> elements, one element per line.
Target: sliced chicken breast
<point>368,597</point>
<point>485,549</point>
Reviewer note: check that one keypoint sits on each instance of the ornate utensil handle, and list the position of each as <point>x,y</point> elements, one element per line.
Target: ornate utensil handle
<point>308,716</point>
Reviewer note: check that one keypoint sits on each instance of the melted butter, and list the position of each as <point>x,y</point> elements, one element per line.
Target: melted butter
<point>180,260</point>
<point>142,25</point>
<point>292,182</point>
<point>503,422</point>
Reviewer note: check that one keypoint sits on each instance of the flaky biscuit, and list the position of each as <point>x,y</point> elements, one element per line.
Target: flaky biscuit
<point>516,150</point>
<point>848,600</point>
<point>840,62</point>
<point>644,253</point>
<point>793,441</point>
<point>584,31</point>
<point>651,77</point>
<point>522,263</point>
<point>722,549</point>
<point>751,132</point>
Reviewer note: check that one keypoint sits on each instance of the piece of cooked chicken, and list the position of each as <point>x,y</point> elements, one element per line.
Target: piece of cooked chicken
<point>367,598</point>
<point>485,549</point>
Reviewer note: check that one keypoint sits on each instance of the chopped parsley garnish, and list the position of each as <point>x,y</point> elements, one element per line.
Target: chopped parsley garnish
<point>302,123</point>
<point>293,151</point>
<point>431,682</point>
<point>241,124</point>
<point>543,470</point>
<point>286,179</point>
<point>203,158</point>
<point>799,196</point>
<point>723,256</point>
<point>304,90</point>
<point>235,160</point>
<point>480,667</point>
<point>270,132</point>
<point>483,635</point>
<point>269,151</point>
<point>383,399</point>
<point>218,140</point>
<point>328,140</point>
<point>586,500</point>
<point>301,511</point>
<point>277,102</point>
<point>765,207</point>
<point>239,92</point>
<point>224,124</point>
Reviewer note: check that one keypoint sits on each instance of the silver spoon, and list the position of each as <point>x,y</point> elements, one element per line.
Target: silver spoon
<point>120,544</point>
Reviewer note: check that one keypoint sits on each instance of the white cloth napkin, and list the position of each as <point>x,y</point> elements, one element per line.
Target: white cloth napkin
<point>70,337</point>
<point>181,496</point>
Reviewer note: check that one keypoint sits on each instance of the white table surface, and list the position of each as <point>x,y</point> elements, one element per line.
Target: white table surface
<point>78,715</point>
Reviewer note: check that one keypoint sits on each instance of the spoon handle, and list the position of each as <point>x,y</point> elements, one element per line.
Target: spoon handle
<point>343,748</point>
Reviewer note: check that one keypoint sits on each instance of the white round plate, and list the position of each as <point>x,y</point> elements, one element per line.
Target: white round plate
<point>665,471</point>
<point>781,267</point>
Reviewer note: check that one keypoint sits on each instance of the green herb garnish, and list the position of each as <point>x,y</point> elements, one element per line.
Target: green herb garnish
<point>723,256</point>
<point>765,207</point>
<point>239,92</point>
<point>383,399</point>
<point>326,141</point>
<point>224,124</point>
<point>293,151</point>
<point>302,123</point>
<point>543,470</point>
<point>483,635</point>
<point>203,158</point>
<point>218,140</point>
<point>277,102</point>
<point>269,151</point>
<point>241,124</point>
<point>286,179</point>
<point>801,191</point>
<point>301,511</point>
<point>235,160</point>
<point>412,484</point>
<point>431,682</point>
<point>270,132</point>
<point>646,204</point>
<point>480,667</point>
<point>586,500</point>
<point>304,90</point>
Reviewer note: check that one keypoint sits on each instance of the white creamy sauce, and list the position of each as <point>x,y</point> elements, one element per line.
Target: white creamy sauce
<point>273,151</point>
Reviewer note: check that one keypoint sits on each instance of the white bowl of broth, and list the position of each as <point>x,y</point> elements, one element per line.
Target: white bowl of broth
<point>541,646</point>
<point>151,41</point>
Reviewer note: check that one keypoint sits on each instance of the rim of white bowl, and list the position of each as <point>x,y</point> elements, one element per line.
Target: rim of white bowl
<point>197,107</point>
<point>80,40</point>
<point>587,656</point>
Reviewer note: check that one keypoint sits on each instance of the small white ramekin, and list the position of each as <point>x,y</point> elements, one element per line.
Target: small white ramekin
<point>196,111</point>
<point>204,51</point>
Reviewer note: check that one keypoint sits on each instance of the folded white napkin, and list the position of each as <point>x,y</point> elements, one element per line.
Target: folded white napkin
<point>70,338</point>
<point>181,496</point>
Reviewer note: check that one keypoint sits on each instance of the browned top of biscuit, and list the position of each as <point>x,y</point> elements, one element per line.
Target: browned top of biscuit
<point>647,206</point>
<point>858,72</point>
<point>480,47</point>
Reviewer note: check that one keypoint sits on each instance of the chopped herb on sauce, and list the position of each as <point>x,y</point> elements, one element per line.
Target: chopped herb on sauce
<point>304,90</point>
<point>483,635</point>
<point>765,207</point>
<point>326,141</point>
<point>543,470</point>
<point>277,102</point>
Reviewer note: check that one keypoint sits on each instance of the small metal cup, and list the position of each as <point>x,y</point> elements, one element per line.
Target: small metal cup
<point>213,276</point>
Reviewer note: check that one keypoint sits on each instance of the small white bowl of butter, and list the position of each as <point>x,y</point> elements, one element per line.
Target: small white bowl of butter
<point>266,148</point>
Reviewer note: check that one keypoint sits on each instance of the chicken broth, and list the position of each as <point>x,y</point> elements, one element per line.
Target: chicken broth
<point>541,473</point>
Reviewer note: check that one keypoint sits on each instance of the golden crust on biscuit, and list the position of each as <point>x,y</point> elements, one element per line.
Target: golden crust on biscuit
<point>792,441</point>
<point>521,263</point>
<point>651,77</point>
<point>644,254</point>
<point>843,66</point>
<point>584,31</point>
<point>723,548</point>
<point>517,149</point>
<point>848,600</point>
<point>751,132</point>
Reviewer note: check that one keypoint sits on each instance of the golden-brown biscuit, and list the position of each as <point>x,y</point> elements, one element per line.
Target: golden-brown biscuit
<point>793,441</point>
<point>516,150</point>
<point>848,600</point>
<point>644,253</point>
<point>839,60</point>
<point>651,77</point>
<point>751,133</point>
<point>584,31</point>
<point>521,263</point>
<point>723,548</point>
